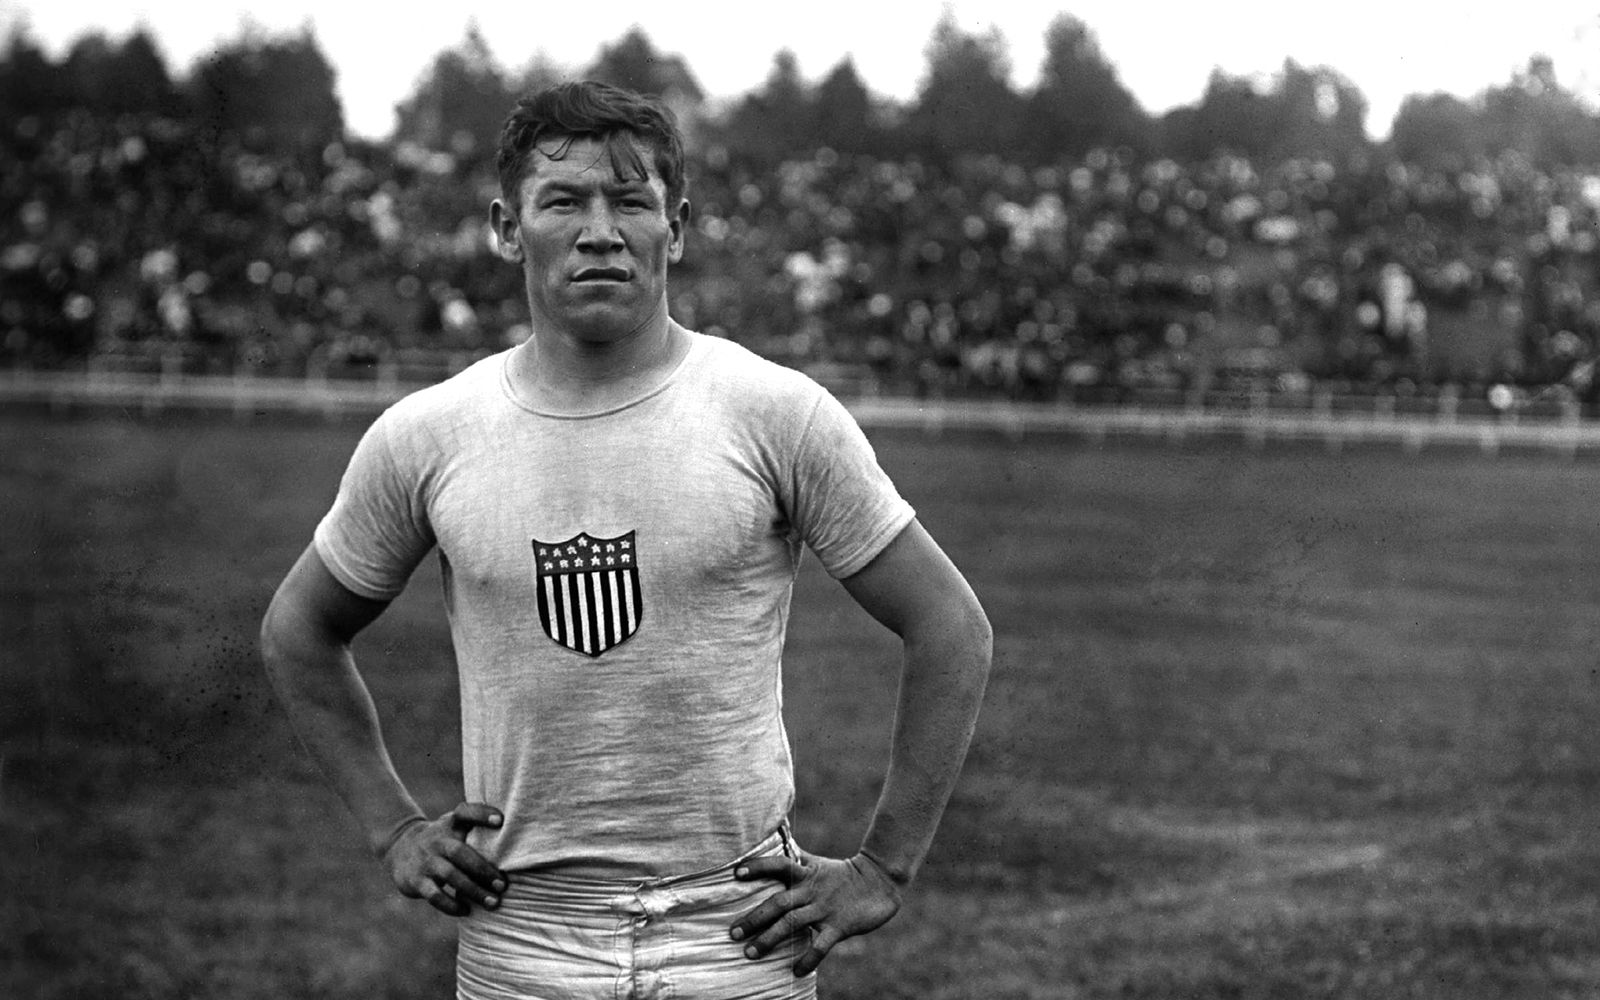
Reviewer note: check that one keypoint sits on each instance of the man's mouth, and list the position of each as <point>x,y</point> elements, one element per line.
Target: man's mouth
<point>601,274</point>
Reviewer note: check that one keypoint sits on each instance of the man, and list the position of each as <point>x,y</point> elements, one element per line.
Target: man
<point>619,507</point>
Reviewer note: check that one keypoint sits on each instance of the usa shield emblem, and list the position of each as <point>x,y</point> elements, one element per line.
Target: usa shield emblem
<point>589,596</point>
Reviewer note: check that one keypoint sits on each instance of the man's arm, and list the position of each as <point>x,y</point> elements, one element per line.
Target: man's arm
<point>912,588</point>
<point>305,644</point>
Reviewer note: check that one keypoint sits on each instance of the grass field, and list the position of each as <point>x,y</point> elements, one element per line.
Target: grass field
<point>1270,723</point>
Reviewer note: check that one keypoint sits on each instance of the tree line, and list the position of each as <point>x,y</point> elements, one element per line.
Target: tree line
<point>278,91</point>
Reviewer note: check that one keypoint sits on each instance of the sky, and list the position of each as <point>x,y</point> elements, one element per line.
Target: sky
<point>1163,52</point>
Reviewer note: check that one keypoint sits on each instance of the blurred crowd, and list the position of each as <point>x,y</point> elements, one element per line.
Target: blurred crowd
<point>138,241</point>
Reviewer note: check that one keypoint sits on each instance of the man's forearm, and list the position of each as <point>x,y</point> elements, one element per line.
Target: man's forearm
<point>332,713</point>
<point>942,683</point>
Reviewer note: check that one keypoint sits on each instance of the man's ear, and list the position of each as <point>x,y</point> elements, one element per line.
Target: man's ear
<point>679,224</point>
<point>507,232</point>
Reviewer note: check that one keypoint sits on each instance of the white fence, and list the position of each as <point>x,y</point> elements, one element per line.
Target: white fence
<point>1335,421</point>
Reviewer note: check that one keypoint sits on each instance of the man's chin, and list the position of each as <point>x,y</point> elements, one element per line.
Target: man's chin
<point>599,325</point>
<point>598,318</point>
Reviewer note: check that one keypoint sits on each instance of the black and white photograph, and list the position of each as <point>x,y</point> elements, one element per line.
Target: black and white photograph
<point>1009,501</point>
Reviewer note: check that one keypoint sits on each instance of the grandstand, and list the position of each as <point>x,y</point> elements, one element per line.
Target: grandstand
<point>144,241</point>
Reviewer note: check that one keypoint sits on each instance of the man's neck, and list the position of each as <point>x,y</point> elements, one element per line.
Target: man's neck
<point>557,369</point>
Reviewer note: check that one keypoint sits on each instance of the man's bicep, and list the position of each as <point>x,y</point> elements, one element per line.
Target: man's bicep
<point>912,583</point>
<point>312,598</point>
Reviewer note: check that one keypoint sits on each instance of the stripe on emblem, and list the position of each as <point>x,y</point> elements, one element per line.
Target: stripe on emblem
<point>616,618</point>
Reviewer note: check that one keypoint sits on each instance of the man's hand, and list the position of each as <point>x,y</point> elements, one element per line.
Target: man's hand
<point>430,859</point>
<point>836,899</point>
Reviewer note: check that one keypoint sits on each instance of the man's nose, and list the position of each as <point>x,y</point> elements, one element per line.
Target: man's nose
<point>600,231</point>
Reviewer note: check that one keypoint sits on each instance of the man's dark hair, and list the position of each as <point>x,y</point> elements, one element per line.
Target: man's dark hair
<point>552,119</point>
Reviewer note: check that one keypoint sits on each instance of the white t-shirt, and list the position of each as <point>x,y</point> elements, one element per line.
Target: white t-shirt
<point>618,587</point>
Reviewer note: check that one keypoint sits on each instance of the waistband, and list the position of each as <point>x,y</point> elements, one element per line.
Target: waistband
<point>780,840</point>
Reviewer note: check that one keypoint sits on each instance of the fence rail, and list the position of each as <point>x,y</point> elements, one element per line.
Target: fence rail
<point>1336,421</point>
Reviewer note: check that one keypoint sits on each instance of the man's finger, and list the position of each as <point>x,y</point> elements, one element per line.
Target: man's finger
<point>822,942</point>
<point>791,923</point>
<point>443,901</point>
<point>770,910</point>
<point>776,866</point>
<point>463,888</point>
<point>475,865</point>
<point>470,814</point>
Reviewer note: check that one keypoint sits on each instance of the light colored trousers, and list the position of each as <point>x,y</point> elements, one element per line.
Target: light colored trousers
<point>563,938</point>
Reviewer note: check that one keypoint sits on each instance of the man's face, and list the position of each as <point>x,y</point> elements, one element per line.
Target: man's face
<point>594,247</point>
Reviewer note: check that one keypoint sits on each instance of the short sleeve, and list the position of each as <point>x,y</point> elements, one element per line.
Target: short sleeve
<point>844,505</point>
<point>377,531</point>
